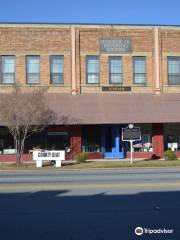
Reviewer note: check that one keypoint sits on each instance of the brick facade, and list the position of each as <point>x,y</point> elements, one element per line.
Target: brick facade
<point>46,40</point>
<point>21,40</point>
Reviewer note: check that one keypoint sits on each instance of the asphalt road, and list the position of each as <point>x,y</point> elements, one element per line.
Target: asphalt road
<point>89,205</point>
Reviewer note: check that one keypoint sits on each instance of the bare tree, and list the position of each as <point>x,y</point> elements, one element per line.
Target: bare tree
<point>25,113</point>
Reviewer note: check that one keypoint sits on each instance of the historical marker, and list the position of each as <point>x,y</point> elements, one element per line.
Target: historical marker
<point>131,134</point>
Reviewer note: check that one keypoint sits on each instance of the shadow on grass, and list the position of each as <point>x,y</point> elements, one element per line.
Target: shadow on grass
<point>58,215</point>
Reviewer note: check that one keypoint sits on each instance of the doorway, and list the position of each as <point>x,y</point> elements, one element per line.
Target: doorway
<point>111,142</point>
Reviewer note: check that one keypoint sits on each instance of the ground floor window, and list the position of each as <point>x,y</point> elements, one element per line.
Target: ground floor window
<point>172,136</point>
<point>6,141</point>
<point>91,139</point>
<point>145,145</point>
<point>51,140</point>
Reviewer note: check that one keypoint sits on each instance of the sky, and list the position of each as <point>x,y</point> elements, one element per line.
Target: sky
<point>91,11</point>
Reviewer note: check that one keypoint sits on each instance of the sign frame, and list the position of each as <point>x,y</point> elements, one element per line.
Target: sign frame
<point>133,139</point>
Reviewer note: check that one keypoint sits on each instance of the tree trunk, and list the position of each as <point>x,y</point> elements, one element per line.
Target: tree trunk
<point>17,148</point>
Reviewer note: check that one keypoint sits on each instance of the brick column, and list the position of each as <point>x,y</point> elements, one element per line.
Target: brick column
<point>75,140</point>
<point>157,89</point>
<point>73,60</point>
<point>158,140</point>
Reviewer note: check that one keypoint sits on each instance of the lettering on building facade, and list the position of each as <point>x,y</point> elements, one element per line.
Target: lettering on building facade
<point>115,33</point>
<point>116,45</point>
<point>34,33</point>
<point>116,88</point>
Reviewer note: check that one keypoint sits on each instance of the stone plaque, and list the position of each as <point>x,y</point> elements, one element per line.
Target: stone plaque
<point>116,45</point>
<point>116,88</point>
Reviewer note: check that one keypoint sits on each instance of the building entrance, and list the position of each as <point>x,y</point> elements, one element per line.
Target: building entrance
<point>112,146</point>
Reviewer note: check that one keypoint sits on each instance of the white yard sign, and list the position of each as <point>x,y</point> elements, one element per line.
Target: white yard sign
<point>54,155</point>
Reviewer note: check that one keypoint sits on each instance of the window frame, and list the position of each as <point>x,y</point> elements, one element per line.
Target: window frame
<point>142,74</point>
<point>27,56</point>
<point>1,70</point>
<point>51,74</point>
<point>168,81</point>
<point>121,74</point>
<point>98,74</point>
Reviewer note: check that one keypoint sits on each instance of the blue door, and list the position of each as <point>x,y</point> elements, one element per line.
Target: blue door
<point>111,142</point>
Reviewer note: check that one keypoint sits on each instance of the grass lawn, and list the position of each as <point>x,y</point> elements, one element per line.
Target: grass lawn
<point>99,164</point>
<point>123,164</point>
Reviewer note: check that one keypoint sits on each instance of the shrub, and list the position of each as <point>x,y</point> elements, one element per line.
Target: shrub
<point>169,155</point>
<point>81,157</point>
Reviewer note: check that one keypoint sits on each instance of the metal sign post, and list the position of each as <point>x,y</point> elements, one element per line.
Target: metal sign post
<point>131,134</point>
<point>131,146</point>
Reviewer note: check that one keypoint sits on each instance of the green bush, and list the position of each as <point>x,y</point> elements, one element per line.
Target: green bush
<point>169,155</point>
<point>81,157</point>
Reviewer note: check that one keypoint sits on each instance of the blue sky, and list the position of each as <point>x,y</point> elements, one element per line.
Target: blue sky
<point>92,11</point>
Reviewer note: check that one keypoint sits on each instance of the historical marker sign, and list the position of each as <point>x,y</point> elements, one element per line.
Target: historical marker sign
<point>129,134</point>
<point>116,45</point>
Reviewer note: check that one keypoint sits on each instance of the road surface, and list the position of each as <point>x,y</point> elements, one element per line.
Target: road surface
<point>90,204</point>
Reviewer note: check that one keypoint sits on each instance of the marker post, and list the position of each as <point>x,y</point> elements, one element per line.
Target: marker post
<point>131,146</point>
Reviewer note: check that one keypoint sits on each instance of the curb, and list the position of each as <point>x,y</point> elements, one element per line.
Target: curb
<point>84,169</point>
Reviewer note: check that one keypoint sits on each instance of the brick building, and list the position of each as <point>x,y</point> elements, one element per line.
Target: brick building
<point>101,77</point>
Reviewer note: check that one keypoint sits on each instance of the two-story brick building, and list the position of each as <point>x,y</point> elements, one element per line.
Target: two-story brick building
<point>100,77</point>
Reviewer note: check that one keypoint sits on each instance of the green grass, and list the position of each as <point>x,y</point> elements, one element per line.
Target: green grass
<point>123,164</point>
<point>99,164</point>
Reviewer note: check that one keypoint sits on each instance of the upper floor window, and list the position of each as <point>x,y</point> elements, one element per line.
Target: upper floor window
<point>139,70</point>
<point>115,70</point>
<point>92,69</point>
<point>33,69</point>
<point>57,69</point>
<point>174,70</point>
<point>8,69</point>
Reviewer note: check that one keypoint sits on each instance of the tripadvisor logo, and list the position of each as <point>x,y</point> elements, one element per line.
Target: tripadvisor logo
<point>139,231</point>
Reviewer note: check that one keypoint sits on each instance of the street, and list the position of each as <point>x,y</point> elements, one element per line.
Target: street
<point>89,204</point>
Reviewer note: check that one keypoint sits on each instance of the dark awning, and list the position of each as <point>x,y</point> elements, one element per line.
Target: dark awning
<point>106,108</point>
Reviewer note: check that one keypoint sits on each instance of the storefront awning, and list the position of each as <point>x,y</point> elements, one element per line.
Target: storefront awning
<point>112,108</point>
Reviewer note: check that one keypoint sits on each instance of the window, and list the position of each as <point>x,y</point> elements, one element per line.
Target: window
<point>145,144</point>
<point>8,69</point>
<point>91,139</point>
<point>115,70</point>
<point>172,136</point>
<point>139,70</point>
<point>33,69</point>
<point>57,69</point>
<point>92,69</point>
<point>174,70</point>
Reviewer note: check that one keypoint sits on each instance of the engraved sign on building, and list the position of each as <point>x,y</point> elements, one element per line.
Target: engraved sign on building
<point>116,88</point>
<point>116,45</point>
